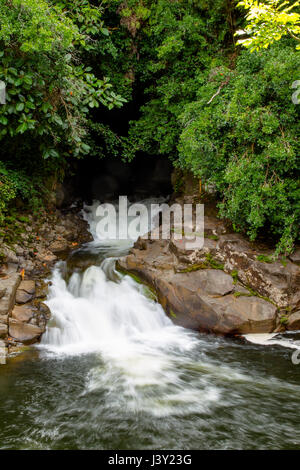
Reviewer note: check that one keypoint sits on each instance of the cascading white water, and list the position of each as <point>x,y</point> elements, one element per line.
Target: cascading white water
<point>141,350</point>
<point>101,308</point>
<point>111,365</point>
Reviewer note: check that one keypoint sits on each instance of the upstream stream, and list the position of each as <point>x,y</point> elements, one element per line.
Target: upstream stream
<point>113,372</point>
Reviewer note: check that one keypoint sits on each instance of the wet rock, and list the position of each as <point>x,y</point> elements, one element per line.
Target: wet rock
<point>22,313</point>
<point>44,310</point>
<point>294,321</point>
<point>24,332</point>
<point>244,315</point>
<point>41,290</point>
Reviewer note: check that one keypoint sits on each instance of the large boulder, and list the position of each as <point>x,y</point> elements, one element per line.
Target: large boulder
<point>24,332</point>
<point>197,306</point>
<point>196,296</point>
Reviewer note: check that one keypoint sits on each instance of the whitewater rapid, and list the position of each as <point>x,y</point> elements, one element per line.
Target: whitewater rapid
<point>145,362</point>
<point>141,350</point>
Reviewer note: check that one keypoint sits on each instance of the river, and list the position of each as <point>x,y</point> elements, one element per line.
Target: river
<point>113,372</point>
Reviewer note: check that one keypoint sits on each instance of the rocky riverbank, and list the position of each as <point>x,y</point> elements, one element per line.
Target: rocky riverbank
<point>41,242</point>
<point>230,286</point>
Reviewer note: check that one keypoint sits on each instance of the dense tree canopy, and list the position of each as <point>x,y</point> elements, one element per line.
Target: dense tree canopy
<point>216,108</point>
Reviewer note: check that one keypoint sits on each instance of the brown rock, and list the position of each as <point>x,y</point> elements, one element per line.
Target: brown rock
<point>3,330</point>
<point>44,310</point>
<point>294,321</point>
<point>27,286</point>
<point>2,292</point>
<point>212,281</point>
<point>189,307</point>
<point>10,283</point>
<point>46,257</point>
<point>201,299</point>
<point>22,297</point>
<point>58,246</point>
<point>24,332</point>
<point>41,290</point>
<point>279,282</point>
<point>244,315</point>
<point>22,313</point>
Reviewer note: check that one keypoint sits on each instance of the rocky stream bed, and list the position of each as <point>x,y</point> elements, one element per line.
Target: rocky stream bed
<point>223,288</point>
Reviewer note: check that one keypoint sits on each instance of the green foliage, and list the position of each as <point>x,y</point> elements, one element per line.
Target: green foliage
<point>264,259</point>
<point>269,21</point>
<point>51,89</point>
<point>179,42</point>
<point>49,95</point>
<point>241,135</point>
<point>223,114</point>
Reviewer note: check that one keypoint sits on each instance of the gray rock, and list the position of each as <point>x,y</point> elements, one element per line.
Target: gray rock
<point>27,265</point>
<point>213,281</point>
<point>9,255</point>
<point>22,297</point>
<point>19,250</point>
<point>46,256</point>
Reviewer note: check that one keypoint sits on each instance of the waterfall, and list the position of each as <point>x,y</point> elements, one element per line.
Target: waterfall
<point>141,351</point>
